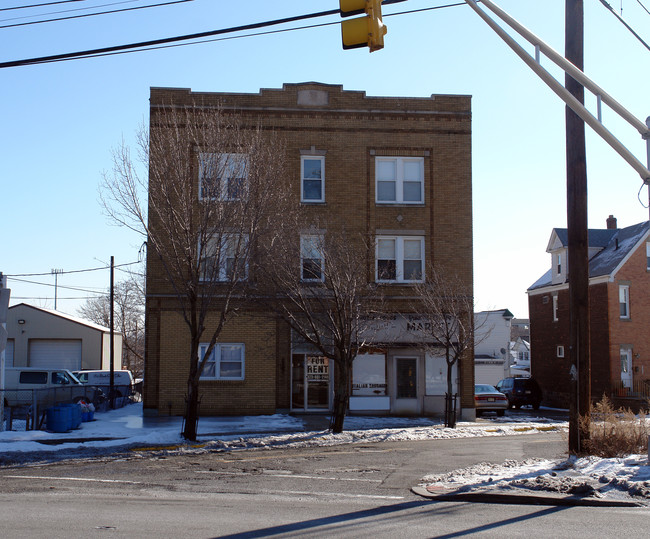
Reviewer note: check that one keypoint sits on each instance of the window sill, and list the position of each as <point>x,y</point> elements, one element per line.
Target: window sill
<point>313,202</point>
<point>401,204</point>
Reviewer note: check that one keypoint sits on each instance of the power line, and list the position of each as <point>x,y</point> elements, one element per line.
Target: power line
<point>99,291</point>
<point>15,25</point>
<point>161,43</point>
<point>645,8</point>
<point>71,271</point>
<point>40,5</point>
<point>604,3</point>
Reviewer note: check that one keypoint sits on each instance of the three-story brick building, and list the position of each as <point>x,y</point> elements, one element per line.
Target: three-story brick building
<point>395,168</point>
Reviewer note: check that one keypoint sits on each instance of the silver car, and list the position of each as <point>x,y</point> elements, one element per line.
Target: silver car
<point>488,399</point>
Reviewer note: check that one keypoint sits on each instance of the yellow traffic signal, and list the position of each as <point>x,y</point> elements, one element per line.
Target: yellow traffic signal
<point>363,31</point>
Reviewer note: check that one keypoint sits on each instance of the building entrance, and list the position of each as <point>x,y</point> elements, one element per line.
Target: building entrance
<point>310,382</point>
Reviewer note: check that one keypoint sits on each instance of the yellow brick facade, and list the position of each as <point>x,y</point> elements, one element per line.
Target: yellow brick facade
<point>350,130</point>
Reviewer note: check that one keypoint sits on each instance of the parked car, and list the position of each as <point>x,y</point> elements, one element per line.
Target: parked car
<point>488,399</point>
<point>521,392</point>
<point>26,385</point>
<point>122,381</point>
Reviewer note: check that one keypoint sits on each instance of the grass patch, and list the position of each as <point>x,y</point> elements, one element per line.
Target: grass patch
<point>615,432</point>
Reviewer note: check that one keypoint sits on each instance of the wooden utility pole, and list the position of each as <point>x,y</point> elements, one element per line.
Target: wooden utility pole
<point>111,345</point>
<point>580,378</point>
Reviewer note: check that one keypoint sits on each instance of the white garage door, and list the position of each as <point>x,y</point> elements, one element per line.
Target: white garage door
<point>55,354</point>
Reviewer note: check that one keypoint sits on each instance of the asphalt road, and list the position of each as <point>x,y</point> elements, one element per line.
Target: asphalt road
<point>358,490</point>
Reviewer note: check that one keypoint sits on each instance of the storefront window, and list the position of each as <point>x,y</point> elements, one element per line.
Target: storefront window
<point>369,375</point>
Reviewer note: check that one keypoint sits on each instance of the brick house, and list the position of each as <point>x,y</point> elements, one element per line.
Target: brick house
<point>619,306</point>
<point>397,167</point>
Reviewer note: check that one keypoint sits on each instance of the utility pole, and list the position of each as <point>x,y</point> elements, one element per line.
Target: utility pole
<point>576,162</point>
<point>111,346</point>
<point>56,283</point>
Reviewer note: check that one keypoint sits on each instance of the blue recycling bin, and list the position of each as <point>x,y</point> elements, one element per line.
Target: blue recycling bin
<point>59,419</point>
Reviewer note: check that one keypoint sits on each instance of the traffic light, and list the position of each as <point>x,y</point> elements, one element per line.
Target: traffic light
<point>365,31</point>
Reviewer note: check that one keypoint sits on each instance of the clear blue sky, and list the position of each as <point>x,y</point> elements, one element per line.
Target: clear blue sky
<point>59,121</point>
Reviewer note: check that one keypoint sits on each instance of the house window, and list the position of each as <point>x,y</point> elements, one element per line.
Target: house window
<point>400,259</point>
<point>559,263</point>
<point>312,174</point>
<point>399,180</point>
<point>224,258</point>
<point>226,362</point>
<point>554,308</point>
<point>624,301</point>
<point>222,176</point>
<point>560,350</point>
<point>311,258</point>
<point>647,256</point>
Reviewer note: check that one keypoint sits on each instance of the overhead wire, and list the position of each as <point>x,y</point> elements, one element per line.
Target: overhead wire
<point>645,8</point>
<point>165,42</point>
<point>43,4</point>
<point>70,17</point>
<point>622,21</point>
<point>70,271</point>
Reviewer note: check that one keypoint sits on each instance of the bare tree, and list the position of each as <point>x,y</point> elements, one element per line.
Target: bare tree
<point>129,319</point>
<point>215,189</point>
<point>327,298</point>
<point>446,307</point>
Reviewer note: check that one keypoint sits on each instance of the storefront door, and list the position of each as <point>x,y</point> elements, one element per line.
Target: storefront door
<point>310,383</point>
<point>406,385</point>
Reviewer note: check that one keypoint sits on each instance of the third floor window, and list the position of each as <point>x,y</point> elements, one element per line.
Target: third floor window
<point>399,180</point>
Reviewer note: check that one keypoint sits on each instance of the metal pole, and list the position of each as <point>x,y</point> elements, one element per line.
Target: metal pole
<point>578,242</point>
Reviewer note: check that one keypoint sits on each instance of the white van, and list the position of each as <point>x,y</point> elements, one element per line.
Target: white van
<point>28,385</point>
<point>122,381</point>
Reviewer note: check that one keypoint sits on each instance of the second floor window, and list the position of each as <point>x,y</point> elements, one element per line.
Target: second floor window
<point>225,258</point>
<point>312,179</point>
<point>311,258</point>
<point>222,176</point>
<point>400,259</point>
<point>399,180</point>
<point>554,308</point>
<point>624,301</point>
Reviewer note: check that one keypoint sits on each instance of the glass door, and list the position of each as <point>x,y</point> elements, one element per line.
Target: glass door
<point>310,382</point>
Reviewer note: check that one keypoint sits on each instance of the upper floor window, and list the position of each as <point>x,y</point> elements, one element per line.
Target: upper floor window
<point>624,301</point>
<point>558,261</point>
<point>554,308</point>
<point>225,362</point>
<point>399,180</point>
<point>311,258</point>
<point>222,176</point>
<point>400,259</point>
<point>312,179</point>
<point>224,258</point>
<point>647,256</point>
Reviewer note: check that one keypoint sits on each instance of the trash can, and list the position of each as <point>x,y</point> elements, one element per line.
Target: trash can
<point>59,419</point>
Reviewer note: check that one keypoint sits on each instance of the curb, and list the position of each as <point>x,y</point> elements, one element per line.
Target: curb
<point>523,498</point>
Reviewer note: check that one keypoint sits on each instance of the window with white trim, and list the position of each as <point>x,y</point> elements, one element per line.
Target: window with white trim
<point>226,362</point>
<point>554,308</point>
<point>399,180</point>
<point>560,350</point>
<point>647,256</point>
<point>225,258</point>
<point>312,178</point>
<point>624,301</point>
<point>399,259</point>
<point>222,176</point>
<point>311,258</point>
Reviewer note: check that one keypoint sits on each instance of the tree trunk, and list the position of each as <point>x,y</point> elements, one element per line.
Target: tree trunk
<point>341,397</point>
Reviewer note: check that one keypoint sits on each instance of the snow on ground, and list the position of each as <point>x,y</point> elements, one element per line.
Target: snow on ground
<point>609,478</point>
